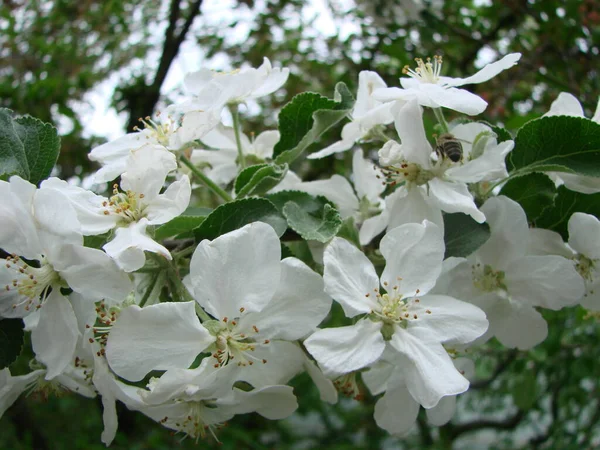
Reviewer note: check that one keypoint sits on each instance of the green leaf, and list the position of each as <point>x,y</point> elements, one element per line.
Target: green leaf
<point>349,231</point>
<point>309,203</point>
<point>524,390</point>
<point>233,215</point>
<point>566,203</point>
<point>258,179</point>
<point>501,133</point>
<point>11,340</point>
<point>316,228</point>
<point>306,117</point>
<point>463,235</point>
<point>557,143</point>
<point>534,192</point>
<point>96,241</point>
<point>28,147</point>
<point>313,218</point>
<point>190,219</point>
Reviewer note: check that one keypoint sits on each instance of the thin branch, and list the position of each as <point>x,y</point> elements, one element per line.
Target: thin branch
<point>500,368</point>
<point>507,424</point>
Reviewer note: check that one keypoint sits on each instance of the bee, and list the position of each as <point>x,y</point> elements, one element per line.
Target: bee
<point>448,146</point>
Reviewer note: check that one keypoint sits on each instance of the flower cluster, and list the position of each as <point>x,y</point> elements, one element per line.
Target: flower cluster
<point>216,320</point>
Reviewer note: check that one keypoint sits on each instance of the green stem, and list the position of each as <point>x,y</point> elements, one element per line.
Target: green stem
<point>205,180</point>
<point>236,129</point>
<point>183,253</point>
<point>379,133</point>
<point>149,289</point>
<point>498,183</point>
<point>179,291</point>
<point>439,115</point>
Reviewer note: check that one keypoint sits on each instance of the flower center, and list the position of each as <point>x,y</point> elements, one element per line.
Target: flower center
<point>585,267</point>
<point>347,385</point>
<point>395,310</point>
<point>193,423</point>
<point>129,206</point>
<point>233,343</point>
<point>31,283</point>
<point>486,279</point>
<point>426,71</point>
<point>161,132</point>
<point>407,172</point>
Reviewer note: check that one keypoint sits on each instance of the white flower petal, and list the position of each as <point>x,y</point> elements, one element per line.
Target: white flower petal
<point>54,213</point>
<point>157,337</point>
<point>488,166</point>
<point>368,82</point>
<point>88,206</point>
<point>127,247</point>
<point>584,234</point>
<point>56,335</point>
<point>396,412</point>
<point>93,274</point>
<point>414,252</point>
<point>454,197</point>
<point>373,226</point>
<point>565,105</point>
<point>239,269</point>
<point>350,277</point>
<point>12,387</point>
<point>195,125</point>
<point>413,205</point>
<point>516,325</point>
<point>488,72</point>
<point>578,183</point>
<point>547,242</point>
<point>432,374</point>
<point>336,147</point>
<point>368,179</point>
<point>298,306</point>
<point>272,402</point>
<point>147,169</point>
<point>345,349</point>
<point>510,232</point>
<point>377,377</point>
<point>451,320</point>
<point>327,391</point>
<point>442,413</point>
<point>264,144</point>
<point>170,203</point>
<point>18,230</point>
<point>548,281</point>
<point>409,125</point>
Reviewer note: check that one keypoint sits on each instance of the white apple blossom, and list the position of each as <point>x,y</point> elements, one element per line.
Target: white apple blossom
<point>431,89</point>
<point>567,105</point>
<point>212,90</point>
<point>222,160</point>
<point>504,279</point>
<point>415,163</point>
<point>583,249</point>
<point>404,319</point>
<point>258,303</point>
<point>130,212</point>
<point>52,262</point>
<point>366,114</point>
<point>396,411</point>
<point>168,135</point>
<point>196,401</point>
